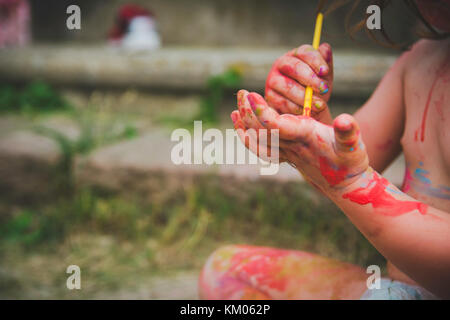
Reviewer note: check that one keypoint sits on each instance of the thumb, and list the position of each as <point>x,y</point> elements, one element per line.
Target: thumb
<point>347,134</point>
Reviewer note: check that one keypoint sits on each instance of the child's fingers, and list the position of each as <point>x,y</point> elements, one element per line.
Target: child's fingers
<point>280,103</point>
<point>290,127</point>
<point>287,87</point>
<point>346,131</point>
<point>327,53</point>
<point>237,120</point>
<point>313,58</point>
<point>294,92</point>
<point>251,139</point>
<point>247,137</point>
<point>245,111</point>
<point>302,72</point>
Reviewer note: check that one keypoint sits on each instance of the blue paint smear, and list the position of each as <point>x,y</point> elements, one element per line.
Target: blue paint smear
<point>360,145</point>
<point>393,190</point>
<point>433,192</point>
<point>420,174</point>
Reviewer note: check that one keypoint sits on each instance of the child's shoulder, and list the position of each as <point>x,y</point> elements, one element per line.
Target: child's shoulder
<point>424,50</point>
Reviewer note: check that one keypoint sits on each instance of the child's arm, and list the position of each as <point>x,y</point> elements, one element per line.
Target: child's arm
<point>414,236</point>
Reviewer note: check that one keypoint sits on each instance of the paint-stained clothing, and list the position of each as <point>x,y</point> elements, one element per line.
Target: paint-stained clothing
<point>395,290</point>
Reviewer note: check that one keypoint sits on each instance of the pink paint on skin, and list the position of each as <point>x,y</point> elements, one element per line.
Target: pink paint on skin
<point>320,138</point>
<point>262,267</point>
<point>334,175</point>
<point>242,112</point>
<point>407,181</point>
<point>322,71</point>
<point>383,202</point>
<point>233,117</point>
<point>288,70</point>
<point>255,101</point>
<point>329,55</point>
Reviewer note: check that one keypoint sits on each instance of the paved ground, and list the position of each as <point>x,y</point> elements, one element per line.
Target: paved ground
<point>183,286</point>
<point>28,156</point>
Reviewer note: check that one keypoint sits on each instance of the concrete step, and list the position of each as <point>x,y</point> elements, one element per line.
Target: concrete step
<point>28,160</point>
<point>174,68</point>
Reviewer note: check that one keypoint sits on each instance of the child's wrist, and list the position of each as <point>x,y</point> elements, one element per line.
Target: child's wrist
<point>356,182</point>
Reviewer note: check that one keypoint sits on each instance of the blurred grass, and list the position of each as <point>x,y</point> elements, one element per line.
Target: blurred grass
<point>35,97</point>
<point>120,239</point>
<point>211,101</point>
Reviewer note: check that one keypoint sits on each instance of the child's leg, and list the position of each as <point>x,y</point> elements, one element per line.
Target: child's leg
<point>247,272</point>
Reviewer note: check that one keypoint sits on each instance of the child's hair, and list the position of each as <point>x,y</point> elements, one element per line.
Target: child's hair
<point>428,30</point>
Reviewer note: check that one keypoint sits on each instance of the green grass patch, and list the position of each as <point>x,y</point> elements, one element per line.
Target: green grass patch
<point>121,239</point>
<point>36,97</point>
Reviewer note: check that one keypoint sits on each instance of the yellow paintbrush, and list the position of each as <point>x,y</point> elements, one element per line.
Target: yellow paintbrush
<point>316,42</point>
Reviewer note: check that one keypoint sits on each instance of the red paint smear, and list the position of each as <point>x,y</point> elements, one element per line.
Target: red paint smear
<point>288,70</point>
<point>319,138</point>
<point>407,181</point>
<point>427,106</point>
<point>332,175</point>
<point>382,201</point>
<point>261,265</point>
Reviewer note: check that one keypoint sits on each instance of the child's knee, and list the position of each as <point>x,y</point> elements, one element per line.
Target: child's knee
<point>219,261</point>
<point>215,267</point>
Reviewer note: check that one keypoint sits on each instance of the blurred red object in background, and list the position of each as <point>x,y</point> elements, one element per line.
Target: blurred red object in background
<point>14,23</point>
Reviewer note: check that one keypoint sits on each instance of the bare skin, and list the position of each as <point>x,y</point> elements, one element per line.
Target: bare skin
<point>408,111</point>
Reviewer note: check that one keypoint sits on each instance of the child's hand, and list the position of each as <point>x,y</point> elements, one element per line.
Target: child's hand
<point>327,156</point>
<point>291,73</point>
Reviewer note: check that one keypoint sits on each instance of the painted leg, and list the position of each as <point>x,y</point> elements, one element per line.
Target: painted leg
<point>248,272</point>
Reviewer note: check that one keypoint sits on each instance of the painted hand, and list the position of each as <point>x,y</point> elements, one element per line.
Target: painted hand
<point>292,72</point>
<point>329,157</point>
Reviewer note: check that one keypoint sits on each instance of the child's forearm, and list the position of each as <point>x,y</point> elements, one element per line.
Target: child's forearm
<point>412,235</point>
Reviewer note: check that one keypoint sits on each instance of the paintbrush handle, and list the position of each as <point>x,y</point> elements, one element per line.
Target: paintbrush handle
<point>316,41</point>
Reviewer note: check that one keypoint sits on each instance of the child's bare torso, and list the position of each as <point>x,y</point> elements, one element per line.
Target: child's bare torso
<point>426,137</point>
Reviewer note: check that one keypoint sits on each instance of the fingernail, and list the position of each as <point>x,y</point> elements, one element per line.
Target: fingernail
<point>343,123</point>
<point>323,87</point>
<point>318,105</point>
<point>322,70</point>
